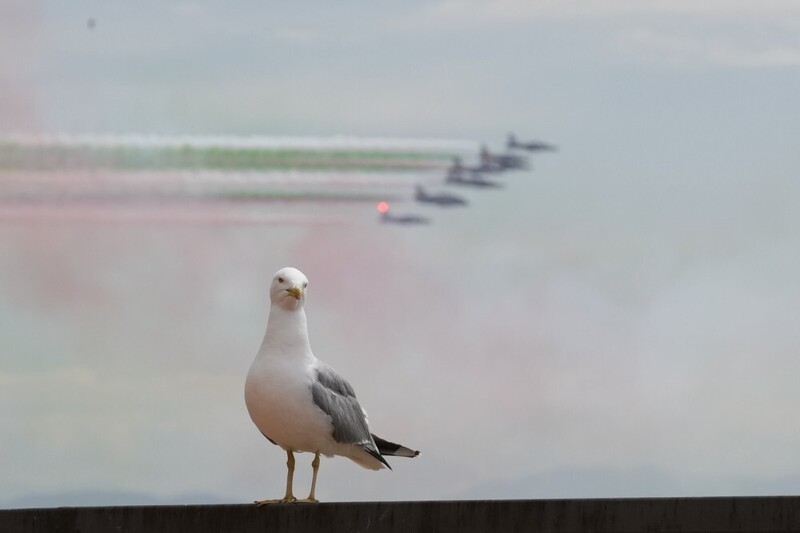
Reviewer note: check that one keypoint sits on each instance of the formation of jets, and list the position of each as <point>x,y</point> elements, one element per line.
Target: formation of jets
<point>460,174</point>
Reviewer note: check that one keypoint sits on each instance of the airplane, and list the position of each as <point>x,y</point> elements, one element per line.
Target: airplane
<point>501,162</point>
<point>533,146</point>
<point>457,171</point>
<point>475,181</point>
<point>441,199</point>
<point>388,218</point>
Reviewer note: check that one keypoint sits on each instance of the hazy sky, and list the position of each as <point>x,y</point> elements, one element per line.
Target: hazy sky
<point>619,321</point>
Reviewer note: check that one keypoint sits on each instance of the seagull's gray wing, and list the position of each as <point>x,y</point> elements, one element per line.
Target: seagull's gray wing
<point>336,398</point>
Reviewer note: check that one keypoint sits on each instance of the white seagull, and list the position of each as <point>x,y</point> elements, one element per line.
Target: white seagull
<point>300,403</point>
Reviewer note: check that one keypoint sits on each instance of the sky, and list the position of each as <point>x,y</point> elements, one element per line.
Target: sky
<point>618,321</point>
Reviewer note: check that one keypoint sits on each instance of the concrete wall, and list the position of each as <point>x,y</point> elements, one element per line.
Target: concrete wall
<point>607,515</point>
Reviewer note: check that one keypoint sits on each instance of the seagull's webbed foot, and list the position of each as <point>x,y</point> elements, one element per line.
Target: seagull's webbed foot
<point>308,500</point>
<point>288,497</point>
<point>282,500</point>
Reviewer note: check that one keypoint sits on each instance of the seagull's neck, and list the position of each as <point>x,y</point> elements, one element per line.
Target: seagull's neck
<point>287,332</point>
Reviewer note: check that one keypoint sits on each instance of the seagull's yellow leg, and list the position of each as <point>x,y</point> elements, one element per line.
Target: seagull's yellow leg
<point>288,497</point>
<point>315,466</point>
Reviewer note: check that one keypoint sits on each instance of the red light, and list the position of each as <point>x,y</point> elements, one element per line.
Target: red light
<point>383,207</point>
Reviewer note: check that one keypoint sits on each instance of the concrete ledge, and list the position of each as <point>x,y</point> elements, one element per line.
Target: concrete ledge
<point>762,514</point>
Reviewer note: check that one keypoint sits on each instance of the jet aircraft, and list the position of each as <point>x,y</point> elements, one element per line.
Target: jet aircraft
<point>460,174</point>
<point>501,162</point>
<point>531,146</point>
<point>442,199</point>
<point>388,218</point>
<point>475,181</point>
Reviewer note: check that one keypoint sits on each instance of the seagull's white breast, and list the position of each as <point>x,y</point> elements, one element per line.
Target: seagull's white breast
<point>278,397</point>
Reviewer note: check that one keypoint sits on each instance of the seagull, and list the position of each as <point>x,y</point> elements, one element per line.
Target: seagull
<point>300,403</point>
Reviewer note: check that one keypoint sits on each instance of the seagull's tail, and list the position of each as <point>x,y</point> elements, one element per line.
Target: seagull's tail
<point>390,448</point>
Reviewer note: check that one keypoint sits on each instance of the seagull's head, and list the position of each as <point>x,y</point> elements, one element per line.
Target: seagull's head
<point>288,289</point>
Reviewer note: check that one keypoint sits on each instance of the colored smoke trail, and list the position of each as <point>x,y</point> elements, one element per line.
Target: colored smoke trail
<point>55,153</point>
<point>179,178</point>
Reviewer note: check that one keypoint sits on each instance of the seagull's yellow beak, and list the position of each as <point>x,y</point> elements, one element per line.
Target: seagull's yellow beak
<point>297,292</point>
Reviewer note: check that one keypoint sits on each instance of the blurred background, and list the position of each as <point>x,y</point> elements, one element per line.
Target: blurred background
<point>618,319</point>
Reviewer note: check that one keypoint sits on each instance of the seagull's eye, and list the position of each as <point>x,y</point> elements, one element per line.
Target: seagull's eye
<point>305,284</point>
<point>280,280</point>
